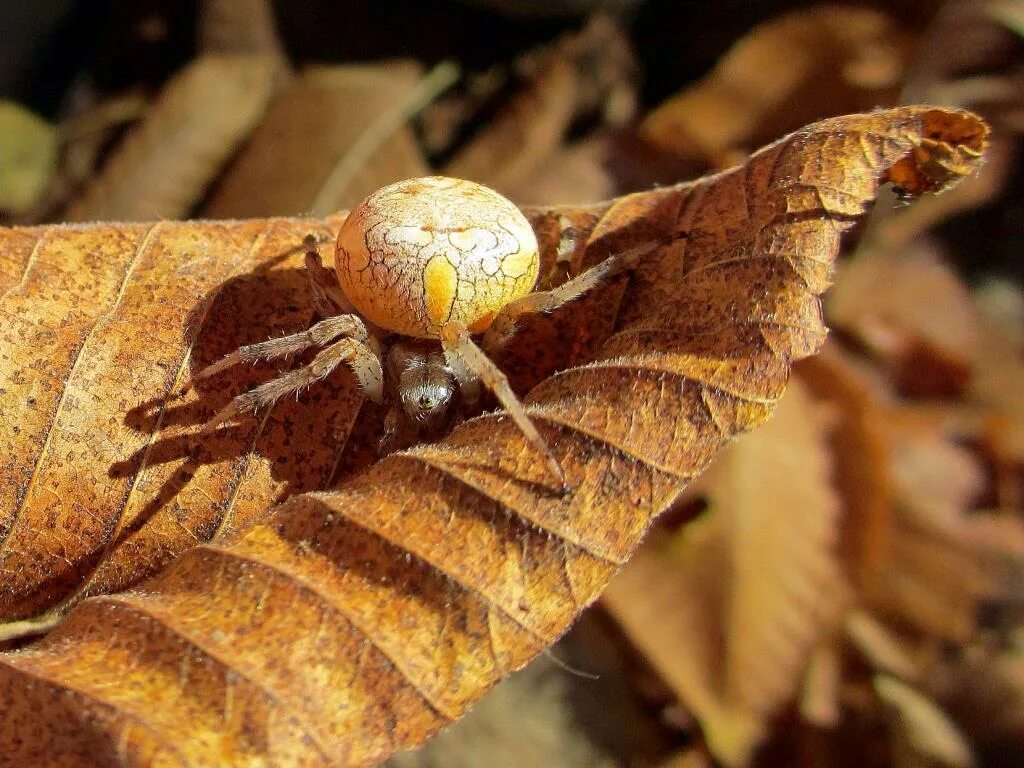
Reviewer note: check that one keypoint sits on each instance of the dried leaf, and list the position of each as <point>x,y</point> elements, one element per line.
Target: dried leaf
<point>581,72</point>
<point>920,728</point>
<point>337,187</point>
<point>668,600</point>
<point>884,650</point>
<point>936,571</point>
<point>786,582</point>
<point>816,61</point>
<point>309,128</point>
<point>918,317</point>
<point>744,623</point>
<point>914,313</point>
<point>104,492</point>
<point>165,164</point>
<point>359,621</point>
<point>527,720</point>
<point>238,27</point>
<point>916,551</point>
<point>1007,12</point>
<point>533,125</point>
<point>860,446</point>
<point>901,229</point>
<point>85,138</point>
<point>935,480</point>
<point>575,172</point>
<point>28,157</point>
<point>819,701</point>
<point>998,382</point>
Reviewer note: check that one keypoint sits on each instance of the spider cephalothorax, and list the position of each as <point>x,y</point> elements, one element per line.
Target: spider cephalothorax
<point>420,267</point>
<point>424,385</point>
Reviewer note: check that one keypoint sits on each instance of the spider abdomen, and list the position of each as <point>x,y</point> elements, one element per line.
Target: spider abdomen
<point>424,252</point>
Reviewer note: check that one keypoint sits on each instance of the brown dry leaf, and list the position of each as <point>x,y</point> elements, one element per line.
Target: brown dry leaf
<point>914,313</point>
<point>359,621</point>
<point>238,26</point>
<point>820,697</point>
<point>944,558</point>
<point>913,547</point>
<point>925,559</point>
<point>527,720</point>
<point>935,480</point>
<point>574,172</point>
<point>524,135</point>
<point>921,732</point>
<point>309,128</point>
<point>165,164</point>
<point>900,229</point>
<point>861,449</point>
<point>913,550</point>
<point>917,316</point>
<point>817,61</point>
<point>884,650</point>
<point>729,617</point>
<point>85,137</point>
<point>998,382</point>
<point>669,601</point>
<point>786,584</point>
<point>578,75</point>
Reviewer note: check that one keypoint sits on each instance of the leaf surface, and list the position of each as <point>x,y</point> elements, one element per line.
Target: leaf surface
<point>28,156</point>
<point>729,612</point>
<point>583,72</point>
<point>783,72</point>
<point>166,163</point>
<point>357,621</point>
<point>310,127</point>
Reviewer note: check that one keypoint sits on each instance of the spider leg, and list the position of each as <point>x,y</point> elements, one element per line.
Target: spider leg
<point>468,362</point>
<point>503,326</point>
<point>328,297</point>
<point>364,363</point>
<point>322,333</point>
<point>396,431</point>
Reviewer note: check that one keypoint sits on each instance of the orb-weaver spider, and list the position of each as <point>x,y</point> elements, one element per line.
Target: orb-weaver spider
<point>421,266</point>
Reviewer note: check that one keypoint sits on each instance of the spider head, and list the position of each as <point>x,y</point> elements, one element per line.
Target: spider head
<point>426,388</point>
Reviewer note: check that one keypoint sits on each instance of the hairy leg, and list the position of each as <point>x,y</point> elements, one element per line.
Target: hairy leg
<point>328,297</point>
<point>360,357</point>
<point>503,327</point>
<point>468,360</point>
<point>322,333</point>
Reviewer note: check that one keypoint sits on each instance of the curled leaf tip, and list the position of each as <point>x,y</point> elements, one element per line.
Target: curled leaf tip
<point>948,146</point>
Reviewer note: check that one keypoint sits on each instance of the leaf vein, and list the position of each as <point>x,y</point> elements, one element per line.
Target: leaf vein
<point>424,558</point>
<point>126,602</point>
<point>29,263</point>
<point>553,417</point>
<point>439,466</point>
<point>63,685</point>
<point>100,320</point>
<point>334,605</point>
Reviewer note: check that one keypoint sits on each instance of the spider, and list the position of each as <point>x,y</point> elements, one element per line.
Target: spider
<point>421,266</point>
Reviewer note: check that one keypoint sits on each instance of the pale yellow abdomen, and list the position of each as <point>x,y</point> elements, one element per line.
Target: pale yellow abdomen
<point>424,252</point>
